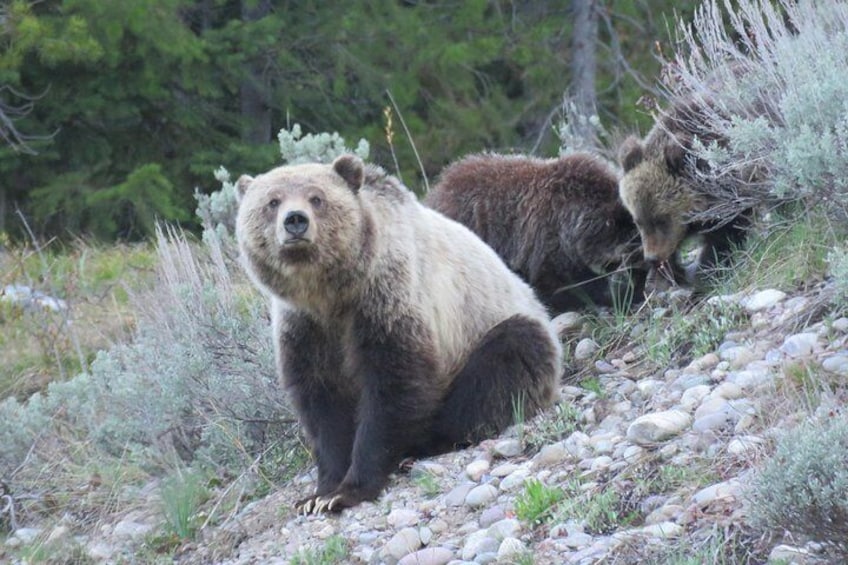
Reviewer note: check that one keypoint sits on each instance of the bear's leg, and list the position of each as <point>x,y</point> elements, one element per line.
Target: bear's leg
<point>396,368</point>
<point>329,424</point>
<point>720,244</point>
<point>324,400</point>
<point>511,373</point>
<point>577,291</point>
<point>718,247</point>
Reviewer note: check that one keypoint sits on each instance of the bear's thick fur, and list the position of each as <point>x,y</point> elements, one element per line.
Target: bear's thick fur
<point>558,223</point>
<point>670,198</point>
<point>398,332</point>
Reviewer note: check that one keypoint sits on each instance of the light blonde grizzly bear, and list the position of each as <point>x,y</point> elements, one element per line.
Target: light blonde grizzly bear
<point>398,332</point>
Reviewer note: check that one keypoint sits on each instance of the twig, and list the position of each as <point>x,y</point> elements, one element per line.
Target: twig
<point>390,135</point>
<point>230,487</point>
<point>411,141</point>
<point>29,231</point>
<point>10,510</point>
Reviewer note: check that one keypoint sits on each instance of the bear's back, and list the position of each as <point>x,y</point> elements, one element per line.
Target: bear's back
<point>461,279</point>
<point>458,285</point>
<point>534,212</point>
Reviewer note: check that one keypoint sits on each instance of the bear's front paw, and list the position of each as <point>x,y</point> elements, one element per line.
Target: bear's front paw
<point>334,502</point>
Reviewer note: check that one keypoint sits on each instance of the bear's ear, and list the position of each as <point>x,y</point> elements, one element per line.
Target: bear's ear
<point>675,151</point>
<point>631,153</point>
<point>242,185</point>
<point>351,169</point>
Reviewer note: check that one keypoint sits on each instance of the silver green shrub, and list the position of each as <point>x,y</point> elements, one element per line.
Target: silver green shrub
<point>773,74</point>
<point>218,210</point>
<point>296,148</point>
<point>803,487</point>
<point>196,383</point>
<point>837,260</point>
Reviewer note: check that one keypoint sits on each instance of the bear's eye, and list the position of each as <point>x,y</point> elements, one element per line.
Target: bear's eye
<point>273,203</point>
<point>316,201</point>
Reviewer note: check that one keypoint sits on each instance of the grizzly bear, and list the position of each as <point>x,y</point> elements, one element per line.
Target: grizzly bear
<point>558,223</point>
<point>671,195</point>
<point>398,332</point>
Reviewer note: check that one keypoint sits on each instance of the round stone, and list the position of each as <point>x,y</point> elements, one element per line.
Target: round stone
<point>403,543</point>
<point>692,397</point>
<point>800,345</point>
<point>476,469</point>
<point>658,426</point>
<point>567,323</point>
<point>551,454</point>
<point>836,364</point>
<point>585,349</point>
<point>510,549</point>
<point>428,556</point>
<point>480,495</point>
<point>508,448</point>
<point>508,527</point>
<point>763,300</point>
<point>402,518</point>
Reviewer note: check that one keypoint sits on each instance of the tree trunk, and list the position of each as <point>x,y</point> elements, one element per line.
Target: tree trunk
<point>255,88</point>
<point>2,210</point>
<point>584,63</point>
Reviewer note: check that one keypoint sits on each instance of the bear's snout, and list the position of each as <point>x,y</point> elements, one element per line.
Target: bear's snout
<point>656,253</point>
<point>296,223</point>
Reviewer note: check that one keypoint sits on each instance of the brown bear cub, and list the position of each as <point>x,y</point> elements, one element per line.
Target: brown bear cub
<point>398,332</point>
<point>558,223</point>
<point>671,195</point>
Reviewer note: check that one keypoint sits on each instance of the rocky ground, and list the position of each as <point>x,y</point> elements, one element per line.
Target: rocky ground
<point>638,464</point>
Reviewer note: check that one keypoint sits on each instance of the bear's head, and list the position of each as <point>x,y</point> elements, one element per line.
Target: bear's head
<point>305,218</point>
<point>655,192</point>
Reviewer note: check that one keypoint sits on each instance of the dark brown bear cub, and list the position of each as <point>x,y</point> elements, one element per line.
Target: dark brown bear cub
<point>558,223</point>
<point>398,332</point>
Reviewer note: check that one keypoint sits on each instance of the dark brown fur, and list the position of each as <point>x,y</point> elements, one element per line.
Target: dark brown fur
<point>558,223</point>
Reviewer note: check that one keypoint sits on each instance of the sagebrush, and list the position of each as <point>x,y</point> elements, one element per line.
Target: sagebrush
<point>802,488</point>
<point>769,75</point>
<point>195,385</point>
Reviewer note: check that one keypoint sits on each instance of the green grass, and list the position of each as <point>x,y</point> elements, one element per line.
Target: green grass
<point>428,483</point>
<point>524,559</point>
<point>279,465</point>
<point>518,414</point>
<point>536,504</point>
<point>792,252</point>
<point>554,425</point>
<point>593,384</point>
<point>672,477</point>
<point>182,496</point>
<point>719,546</point>
<point>688,332</point>
<point>602,511</point>
<point>66,552</point>
<point>334,551</point>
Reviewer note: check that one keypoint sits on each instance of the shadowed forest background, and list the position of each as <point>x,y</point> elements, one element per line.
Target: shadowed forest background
<point>114,112</point>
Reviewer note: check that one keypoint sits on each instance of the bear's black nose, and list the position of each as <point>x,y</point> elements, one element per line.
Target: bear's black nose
<point>296,222</point>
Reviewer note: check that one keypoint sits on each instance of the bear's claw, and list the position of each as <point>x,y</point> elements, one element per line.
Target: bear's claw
<point>321,504</point>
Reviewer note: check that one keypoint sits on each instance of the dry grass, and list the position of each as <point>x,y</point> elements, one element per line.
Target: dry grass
<point>38,345</point>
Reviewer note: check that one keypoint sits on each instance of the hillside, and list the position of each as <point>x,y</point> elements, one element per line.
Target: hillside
<point>639,463</point>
